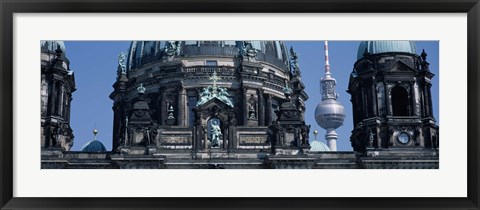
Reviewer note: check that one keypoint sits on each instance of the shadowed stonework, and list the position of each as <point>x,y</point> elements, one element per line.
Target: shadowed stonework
<point>241,104</point>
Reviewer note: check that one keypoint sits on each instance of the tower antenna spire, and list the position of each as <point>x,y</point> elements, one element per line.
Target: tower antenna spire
<point>329,114</point>
<point>327,62</point>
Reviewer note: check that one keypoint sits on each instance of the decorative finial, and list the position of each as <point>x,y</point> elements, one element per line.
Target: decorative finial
<point>315,133</point>
<point>424,55</point>
<point>425,64</point>
<point>214,78</point>
<point>141,89</point>
<point>95,131</point>
<point>170,112</point>
<point>58,51</point>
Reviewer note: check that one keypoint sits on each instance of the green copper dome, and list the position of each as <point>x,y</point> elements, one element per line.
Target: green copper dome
<point>376,47</point>
<point>94,146</point>
<point>317,146</point>
<point>144,52</point>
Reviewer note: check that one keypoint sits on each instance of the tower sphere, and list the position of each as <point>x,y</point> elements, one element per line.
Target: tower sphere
<point>329,114</point>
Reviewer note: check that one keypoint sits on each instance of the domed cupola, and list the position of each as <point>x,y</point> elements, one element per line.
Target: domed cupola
<point>142,53</point>
<point>94,145</point>
<point>318,146</point>
<point>51,49</point>
<point>52,46</point>
<point>377,47</point>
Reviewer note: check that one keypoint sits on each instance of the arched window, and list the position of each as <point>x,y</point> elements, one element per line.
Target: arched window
<point>400,104</point>
<point>149,48</point>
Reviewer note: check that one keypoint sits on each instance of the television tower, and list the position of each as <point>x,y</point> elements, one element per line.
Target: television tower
<point>329,113</point>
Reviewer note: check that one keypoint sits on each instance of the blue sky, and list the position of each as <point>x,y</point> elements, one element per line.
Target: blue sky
<point>95,66</point>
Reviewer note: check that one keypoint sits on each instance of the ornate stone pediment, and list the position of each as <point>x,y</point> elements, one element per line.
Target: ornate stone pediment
<point>214,102</point>
<point>400,66</point>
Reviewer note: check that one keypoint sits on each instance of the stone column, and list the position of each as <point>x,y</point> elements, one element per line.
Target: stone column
<point>225,138</point>
<point>156,106</point>
<point>60,98</point>
<point>364,102</point>
<point>180,106</point>
<point>425,100</point>
<point>429,100</point>
<point>261,109</point>
<point>388,99</point>
<point>422,102</point>
<point>194,138</point>
<point>268,110</point>
<point>163,107</point>
<point>415,98</point>
<point>245,107</point>
<point>374,98</point>
<point>66,104</point>
<point>69,106</point>
<point>117,128</point>
<point>205,136</point>
<point>231,138</point>
<point>51,98</point>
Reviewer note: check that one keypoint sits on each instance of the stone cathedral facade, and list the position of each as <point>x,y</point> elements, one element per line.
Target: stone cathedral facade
<point>241,104</point>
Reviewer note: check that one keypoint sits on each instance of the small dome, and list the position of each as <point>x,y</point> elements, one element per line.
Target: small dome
<point>376,47</point>
<point>94,146</point>
<point>329,114</point>
<point>48,53</point>
<point>318,146</point>
<point>52,46</point>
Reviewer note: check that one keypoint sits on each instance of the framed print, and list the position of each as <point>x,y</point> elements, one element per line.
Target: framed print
<point>132,120</point>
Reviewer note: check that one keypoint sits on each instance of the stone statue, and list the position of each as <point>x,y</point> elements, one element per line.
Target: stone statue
<point>371,138</point>
<point>129,140</point>
<point>251,110</point>
<point>287,90</point>
<point>153,134</point>
<point>205,96</point>
<point>248,51</point>
<point>305,130</point>
<point>64,137</point>
<point>216,134</point>
<point>146,137</point>
<point>172,48</point>
<point>294,58</point>
<point>122,63</point>
<point>223,96</point>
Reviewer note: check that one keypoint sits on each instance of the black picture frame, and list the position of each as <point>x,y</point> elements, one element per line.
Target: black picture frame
<point>10,7</point>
